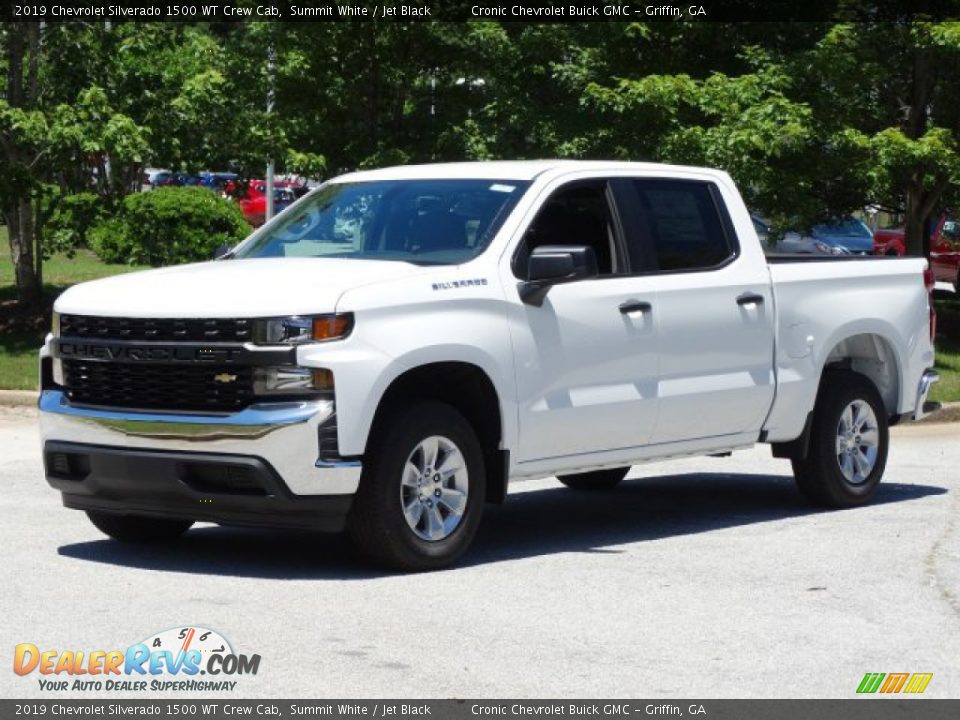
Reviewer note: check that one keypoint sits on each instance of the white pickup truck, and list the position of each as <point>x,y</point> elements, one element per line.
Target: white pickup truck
<point>385,355</point>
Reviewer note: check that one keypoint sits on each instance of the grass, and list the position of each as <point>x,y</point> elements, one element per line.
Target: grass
<point>21,334</point>
<point>948,348</point>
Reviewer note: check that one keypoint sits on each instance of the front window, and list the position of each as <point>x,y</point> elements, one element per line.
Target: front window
<point>425,222</point>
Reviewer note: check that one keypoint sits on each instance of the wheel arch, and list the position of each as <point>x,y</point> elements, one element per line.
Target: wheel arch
<point>871,354</point>
<point>471,390</point>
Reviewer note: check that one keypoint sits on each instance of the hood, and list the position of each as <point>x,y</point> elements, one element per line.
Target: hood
<point>260,287</point>
<point>853,242</point>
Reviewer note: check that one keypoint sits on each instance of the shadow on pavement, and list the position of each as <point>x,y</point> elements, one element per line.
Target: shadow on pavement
<point>532,523</point>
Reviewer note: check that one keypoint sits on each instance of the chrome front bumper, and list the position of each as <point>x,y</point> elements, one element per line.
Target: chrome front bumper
<point>285,435</point>
<point>927,380</point>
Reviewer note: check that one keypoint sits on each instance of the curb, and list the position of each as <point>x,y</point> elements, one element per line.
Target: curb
<point>18,398</point>
<point>948,412</point>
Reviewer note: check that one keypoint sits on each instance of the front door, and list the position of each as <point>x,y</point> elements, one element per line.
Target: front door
<point>586,359</point>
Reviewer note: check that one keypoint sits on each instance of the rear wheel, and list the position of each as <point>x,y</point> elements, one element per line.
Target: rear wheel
<point>136,528</point>
<point>595,480</point>
<point>422,490</point>
<point>848,443</point>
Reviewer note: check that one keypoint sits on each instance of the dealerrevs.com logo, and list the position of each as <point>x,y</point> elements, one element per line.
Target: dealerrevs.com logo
<point>178,659</point>
<point>893,683</point>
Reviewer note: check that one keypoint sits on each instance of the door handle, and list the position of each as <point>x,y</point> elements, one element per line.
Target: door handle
<point>749,298</point>
<point>632,306</point>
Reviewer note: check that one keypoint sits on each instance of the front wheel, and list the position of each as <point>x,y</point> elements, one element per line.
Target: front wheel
<point>848,443</point>
<point>422,490</point>
<point>137,529</point>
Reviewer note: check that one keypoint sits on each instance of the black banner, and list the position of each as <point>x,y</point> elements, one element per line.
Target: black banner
<point>52,11</point>
<point>854,709</point>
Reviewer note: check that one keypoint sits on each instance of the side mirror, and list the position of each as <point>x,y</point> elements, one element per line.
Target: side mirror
<point>221,251</point>
<point>551,265</point>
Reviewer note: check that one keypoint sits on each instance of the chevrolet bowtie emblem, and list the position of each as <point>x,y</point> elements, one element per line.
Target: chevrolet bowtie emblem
<point>224,378</point>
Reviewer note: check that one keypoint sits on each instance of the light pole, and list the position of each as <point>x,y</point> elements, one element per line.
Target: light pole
<point>271,61</point>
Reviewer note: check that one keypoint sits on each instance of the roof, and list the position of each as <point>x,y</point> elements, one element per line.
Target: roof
<point>497,169</point>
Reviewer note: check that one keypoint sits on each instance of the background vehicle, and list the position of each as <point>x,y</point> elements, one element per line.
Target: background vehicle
<point>944,248</point>
<point>848,236</point>
<point>386,355</point>
<point>167,179</point>
<point>150,175</point>
<point>161,177</point>
<point>217,180</point>
<point>945,251</point>
<point>889,241</point>
<point>254,204</point>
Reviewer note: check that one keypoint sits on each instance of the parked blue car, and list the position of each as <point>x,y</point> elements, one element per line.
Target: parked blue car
<point>217,180</point>
<point>847,236</point>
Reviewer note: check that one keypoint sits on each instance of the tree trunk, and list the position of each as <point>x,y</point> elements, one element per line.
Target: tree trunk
<point>915,220</point>
<point>39,221</point>
<point>920,202</point>
<point>20,220</point>
<point>20,229</point>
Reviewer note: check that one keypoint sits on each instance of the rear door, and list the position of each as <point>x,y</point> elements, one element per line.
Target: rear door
<point>714,310</point>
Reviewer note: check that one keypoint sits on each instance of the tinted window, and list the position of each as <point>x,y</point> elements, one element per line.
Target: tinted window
<point>577,215</point>
<point>427,222</point>
<point>680,221</point>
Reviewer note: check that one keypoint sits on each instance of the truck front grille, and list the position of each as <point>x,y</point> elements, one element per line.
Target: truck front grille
<point>201,388</point>
<point>157,329</point>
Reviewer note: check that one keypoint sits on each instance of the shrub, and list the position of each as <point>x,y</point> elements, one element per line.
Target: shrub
<point>168,226</point>
<point>69,224</point>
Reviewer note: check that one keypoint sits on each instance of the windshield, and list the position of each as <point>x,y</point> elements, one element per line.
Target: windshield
<point>851,227</point>
<point>426,222</point>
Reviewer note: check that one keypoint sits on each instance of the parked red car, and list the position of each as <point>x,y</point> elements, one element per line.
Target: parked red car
<point>944,248</point>
<point>945,251</point>
<point>889,242</point>
<point>254,203</point>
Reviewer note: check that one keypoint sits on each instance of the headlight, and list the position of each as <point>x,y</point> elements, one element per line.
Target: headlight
<point>297,329</point>
<point>55,324</point>
<point>829,249</point>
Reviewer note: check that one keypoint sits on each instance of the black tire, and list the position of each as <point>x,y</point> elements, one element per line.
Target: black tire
<point>137,529</point>
<point>595,480</point>
<point>377,523</point>
<point>819,475</point>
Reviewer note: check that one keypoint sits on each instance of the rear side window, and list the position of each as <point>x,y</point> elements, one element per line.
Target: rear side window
<point>682,226</point>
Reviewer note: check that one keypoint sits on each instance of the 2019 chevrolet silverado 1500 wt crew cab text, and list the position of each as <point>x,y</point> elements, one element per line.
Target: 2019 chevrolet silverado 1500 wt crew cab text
<point>389,352</point>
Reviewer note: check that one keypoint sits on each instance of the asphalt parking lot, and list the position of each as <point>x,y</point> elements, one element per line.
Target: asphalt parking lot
<point>705,578</point>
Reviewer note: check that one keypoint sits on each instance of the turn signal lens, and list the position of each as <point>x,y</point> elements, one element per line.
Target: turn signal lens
<point>323,380</point>
<point>332,327</point>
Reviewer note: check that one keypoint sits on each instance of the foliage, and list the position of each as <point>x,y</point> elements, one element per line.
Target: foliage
<point>168,226</point>
<point>69,222</point>
<point>812,120</point>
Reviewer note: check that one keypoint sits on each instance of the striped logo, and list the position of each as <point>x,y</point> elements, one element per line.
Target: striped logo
<point>888,683</point>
